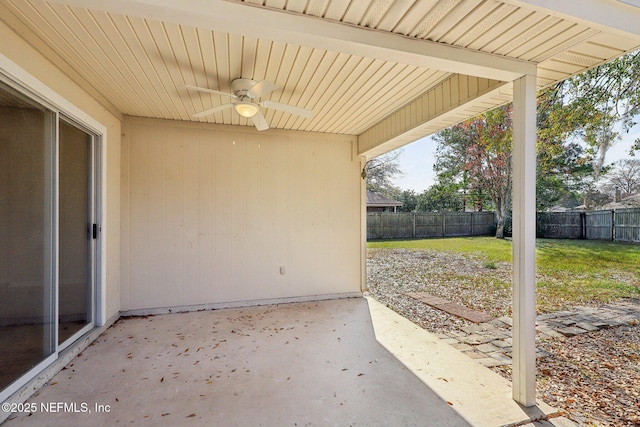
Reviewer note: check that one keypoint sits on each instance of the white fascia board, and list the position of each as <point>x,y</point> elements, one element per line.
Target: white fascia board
<point>620,17</point>
<point>285,27</point>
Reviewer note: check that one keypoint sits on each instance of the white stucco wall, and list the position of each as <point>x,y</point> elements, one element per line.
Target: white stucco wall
<point>22,64</point>
<point>211,213</point>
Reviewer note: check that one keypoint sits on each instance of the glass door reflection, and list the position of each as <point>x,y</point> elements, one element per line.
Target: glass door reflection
<point>75,289</point>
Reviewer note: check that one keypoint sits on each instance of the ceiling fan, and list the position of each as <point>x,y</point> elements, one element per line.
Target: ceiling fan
<point>246,100</point>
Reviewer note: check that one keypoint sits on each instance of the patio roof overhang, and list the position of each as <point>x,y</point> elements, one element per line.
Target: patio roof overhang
<point>386,72</point>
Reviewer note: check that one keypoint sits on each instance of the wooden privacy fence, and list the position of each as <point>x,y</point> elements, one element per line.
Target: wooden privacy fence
<point>410,225</point>
<point>622,225</point>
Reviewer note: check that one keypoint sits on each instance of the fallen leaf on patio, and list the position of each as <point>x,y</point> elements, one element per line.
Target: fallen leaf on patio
<point>450,403</point>
<point>190,416</point>
<point>444,379</point>
<point>360,375</point>
<point>117,400</point>
<point>165,414</point>
<point>162,379</point>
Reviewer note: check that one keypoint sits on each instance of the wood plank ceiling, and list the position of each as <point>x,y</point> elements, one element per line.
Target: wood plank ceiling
<point>138,65</point>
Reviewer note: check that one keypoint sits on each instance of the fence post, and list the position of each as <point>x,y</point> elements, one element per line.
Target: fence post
<point>414,225</point>
<point>613,225</point>
<point>471,221</point>
<point>444,224</point>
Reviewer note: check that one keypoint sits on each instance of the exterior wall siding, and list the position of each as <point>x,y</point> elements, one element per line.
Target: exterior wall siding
<point>216,214</point>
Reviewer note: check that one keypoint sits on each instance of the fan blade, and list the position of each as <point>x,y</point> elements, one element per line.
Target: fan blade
<point>288,108</point>
<point>205,90</point>
<point>259,121</point>
<point>260,89</point>
<point>213,110</point>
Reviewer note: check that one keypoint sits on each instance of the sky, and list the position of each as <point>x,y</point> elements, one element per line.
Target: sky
<point>417,158</point>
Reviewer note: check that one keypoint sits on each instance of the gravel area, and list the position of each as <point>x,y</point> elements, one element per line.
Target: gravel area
<point>594,378</point>
<point>464,280</point>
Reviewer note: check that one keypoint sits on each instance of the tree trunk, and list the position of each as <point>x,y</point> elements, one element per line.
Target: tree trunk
<point>500,228</point>
<point>501,213</point>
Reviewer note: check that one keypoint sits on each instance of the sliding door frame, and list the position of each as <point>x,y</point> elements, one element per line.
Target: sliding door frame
<point>61,109</point>
<point>93,246</point>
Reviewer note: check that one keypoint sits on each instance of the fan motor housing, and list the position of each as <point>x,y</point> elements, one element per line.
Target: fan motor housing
<point>240,87</point>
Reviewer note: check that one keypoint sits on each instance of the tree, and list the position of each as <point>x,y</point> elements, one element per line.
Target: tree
<point>603,103</point>
<point>474,158</point>
<point>563,166</point>
<point>625,176</point>
<point>451,175</point>
<point>380,172</point>
<point>440,197</point>
<point>578,121</point>
<point>488,159</point>
<point>409,200</point>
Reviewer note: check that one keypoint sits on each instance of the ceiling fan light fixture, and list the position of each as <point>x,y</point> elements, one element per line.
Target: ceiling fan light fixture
<point>246,109</point>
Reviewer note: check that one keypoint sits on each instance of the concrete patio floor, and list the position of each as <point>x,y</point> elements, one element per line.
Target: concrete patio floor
<point>350,362</point>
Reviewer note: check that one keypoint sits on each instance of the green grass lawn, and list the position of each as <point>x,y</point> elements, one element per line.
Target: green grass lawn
<point>569,272</point>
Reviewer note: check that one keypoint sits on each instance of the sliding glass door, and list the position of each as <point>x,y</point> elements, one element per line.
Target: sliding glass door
<point>75,241</point>
<point>27,332</point>
<point>47,236</point>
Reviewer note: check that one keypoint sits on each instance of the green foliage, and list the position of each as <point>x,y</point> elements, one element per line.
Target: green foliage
<point>440,198</point>
<point>578,121</point>
<point>474,158</point>
<point>409,199</point>
<point>563,166</point>
<point>602,100</point>
<point>490,265</point>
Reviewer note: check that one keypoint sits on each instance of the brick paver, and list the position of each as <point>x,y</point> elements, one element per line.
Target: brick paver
<point>489,341</point>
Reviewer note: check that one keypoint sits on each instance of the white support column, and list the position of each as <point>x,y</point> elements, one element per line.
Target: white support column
<point>524,240</point>
<point>363,222</point>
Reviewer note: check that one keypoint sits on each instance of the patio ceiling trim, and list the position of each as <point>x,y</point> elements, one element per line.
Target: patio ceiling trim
<point>612,16</point>
<point>297,29</point>
<point>447,103</point>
